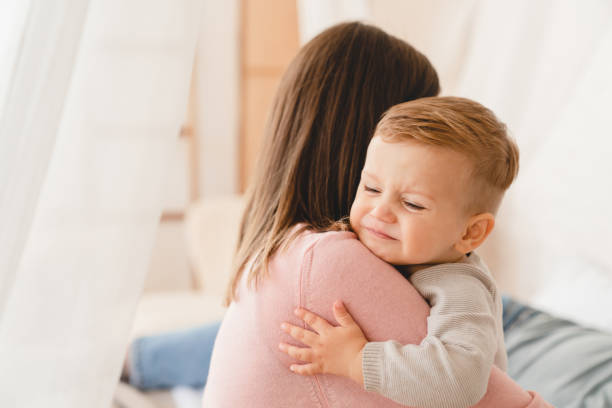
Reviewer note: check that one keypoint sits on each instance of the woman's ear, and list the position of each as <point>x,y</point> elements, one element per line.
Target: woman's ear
<point>477,230</point>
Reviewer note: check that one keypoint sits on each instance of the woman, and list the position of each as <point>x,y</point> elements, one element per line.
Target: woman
<point>324,113</point>
<point>344,80</point>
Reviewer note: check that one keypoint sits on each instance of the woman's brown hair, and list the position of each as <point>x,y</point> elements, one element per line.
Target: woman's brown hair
<point>316,137</point>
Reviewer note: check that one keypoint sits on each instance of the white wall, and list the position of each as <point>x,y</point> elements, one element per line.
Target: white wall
<point>217,76</point>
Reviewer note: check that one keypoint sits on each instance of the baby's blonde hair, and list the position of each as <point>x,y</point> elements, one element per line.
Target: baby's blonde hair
<point>466,127</point>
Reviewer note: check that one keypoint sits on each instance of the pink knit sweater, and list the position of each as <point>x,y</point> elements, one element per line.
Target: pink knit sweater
<point>248,370</point>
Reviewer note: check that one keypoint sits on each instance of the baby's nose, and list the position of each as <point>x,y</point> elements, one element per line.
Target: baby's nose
<point>384,213</point>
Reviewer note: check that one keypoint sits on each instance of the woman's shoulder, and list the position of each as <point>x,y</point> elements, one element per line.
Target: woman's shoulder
<point>336,245</point>
<point>333,257</point>
<point>345,245</point>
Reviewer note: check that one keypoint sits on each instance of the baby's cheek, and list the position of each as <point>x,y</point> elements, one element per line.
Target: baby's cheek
<point>355,217</point>
<point>354,225</point>
<point>413,250</point>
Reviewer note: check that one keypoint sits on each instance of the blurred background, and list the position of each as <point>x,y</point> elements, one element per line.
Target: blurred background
<point>130,130</point>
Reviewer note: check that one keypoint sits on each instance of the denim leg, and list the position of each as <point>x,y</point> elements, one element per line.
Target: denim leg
<point>515,312</point>
<point>172,359</point>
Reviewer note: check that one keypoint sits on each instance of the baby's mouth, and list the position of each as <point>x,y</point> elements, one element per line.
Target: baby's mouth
<point>379,234</point>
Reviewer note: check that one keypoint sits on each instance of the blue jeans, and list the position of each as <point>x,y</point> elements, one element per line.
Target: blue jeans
<point>568,364</point>
<point>171,359</point>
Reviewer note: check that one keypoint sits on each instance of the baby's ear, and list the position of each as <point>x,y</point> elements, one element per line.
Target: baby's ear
<point>477,230</point>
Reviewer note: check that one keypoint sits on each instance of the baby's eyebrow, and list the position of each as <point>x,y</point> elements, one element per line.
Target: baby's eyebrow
<point>404,190</point>
<point>412,190</point>
<point>365,173</point>
<point>429,198</point>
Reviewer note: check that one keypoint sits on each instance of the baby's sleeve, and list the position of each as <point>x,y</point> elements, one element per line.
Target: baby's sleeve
<point>451,366</point>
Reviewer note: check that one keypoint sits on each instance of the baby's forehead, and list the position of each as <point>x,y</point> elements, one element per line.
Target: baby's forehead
<point>433,150</point>
<point>437,168</point>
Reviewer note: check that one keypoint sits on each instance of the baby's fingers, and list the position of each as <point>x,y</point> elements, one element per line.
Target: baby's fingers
<point>299,353</point>
<point>306,369</point>
<point>300,334</point>
<point>342,315</point>
<point>313,320</point>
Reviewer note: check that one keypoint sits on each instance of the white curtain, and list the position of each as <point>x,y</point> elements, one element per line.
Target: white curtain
<point>532,63</point>
<point>13,15</point>
<point>97,94</point>
<point>35,87</point>
<point>564,204</point>
<point>316,15</point>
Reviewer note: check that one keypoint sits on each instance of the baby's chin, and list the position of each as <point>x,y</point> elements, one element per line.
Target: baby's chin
<point>388,256</point>
<point>378,249</point>
<point>381,253</point>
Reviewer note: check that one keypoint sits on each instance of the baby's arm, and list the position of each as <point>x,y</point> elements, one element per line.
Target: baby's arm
<point>451,366</point>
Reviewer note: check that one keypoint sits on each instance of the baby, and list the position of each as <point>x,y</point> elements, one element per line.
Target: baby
<point>434,176</point>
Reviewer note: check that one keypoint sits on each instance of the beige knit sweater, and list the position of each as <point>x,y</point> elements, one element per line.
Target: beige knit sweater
<point>451,366</point>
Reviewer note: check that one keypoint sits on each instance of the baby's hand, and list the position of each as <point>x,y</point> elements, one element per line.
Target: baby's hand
<point>332,350</point>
